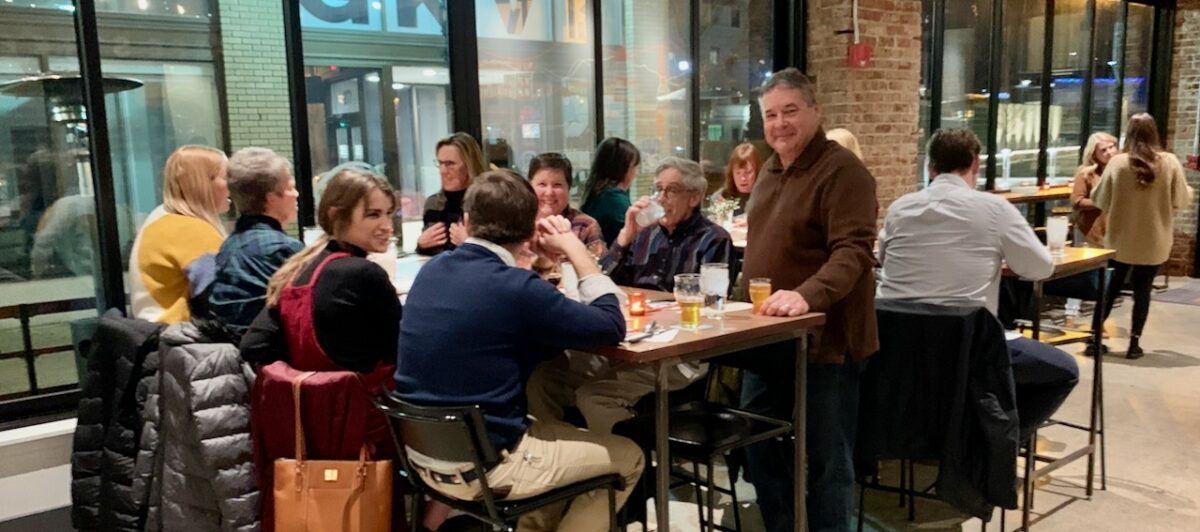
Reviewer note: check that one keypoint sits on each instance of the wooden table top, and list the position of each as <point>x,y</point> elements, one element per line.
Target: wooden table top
<point>1075,260</point>
<point>737,328</point>
<point>1044,194</point>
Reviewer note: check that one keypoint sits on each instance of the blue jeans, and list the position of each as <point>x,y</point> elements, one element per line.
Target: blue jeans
<point>832,425</point>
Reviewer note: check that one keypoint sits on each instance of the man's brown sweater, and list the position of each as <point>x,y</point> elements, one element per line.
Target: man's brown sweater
<point>812,228</point>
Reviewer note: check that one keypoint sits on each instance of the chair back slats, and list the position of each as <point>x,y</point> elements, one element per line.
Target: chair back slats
<point>452,434</point>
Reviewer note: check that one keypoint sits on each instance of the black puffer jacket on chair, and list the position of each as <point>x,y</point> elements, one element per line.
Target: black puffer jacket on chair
<point>109,425</point>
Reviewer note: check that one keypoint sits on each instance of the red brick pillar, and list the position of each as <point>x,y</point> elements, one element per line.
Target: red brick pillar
<point>1181,127</point>
<point>879,103</point>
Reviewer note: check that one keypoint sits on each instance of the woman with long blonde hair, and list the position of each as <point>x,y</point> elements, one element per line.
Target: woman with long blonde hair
<point>1139,193</point>
<point>328,307</point>
<point>1089,219</point>
<point>172,259</point>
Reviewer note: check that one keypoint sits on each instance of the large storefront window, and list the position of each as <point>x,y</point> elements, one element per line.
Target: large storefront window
<point>647,78</point>
<point>1121,37</point>
<point>735,59</point>
<point>47,209</point>
<point>536,81</point>
<point>157,98</point>
<point>1019,113</point>
<point>378,87</point>
<point>964,90</point>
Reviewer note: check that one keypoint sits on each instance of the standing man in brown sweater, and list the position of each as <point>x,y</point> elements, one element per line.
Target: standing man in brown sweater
<point>812,226</point>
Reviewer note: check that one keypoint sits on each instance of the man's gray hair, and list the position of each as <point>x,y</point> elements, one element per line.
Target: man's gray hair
<point>254,173</point>
<point>791,78</point>
<point>693,174</point>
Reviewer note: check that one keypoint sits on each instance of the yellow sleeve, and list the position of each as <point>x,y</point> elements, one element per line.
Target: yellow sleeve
<point>168,247</point>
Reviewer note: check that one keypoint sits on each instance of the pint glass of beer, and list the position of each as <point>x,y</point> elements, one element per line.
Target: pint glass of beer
<point>760,290</point>
<point>690,299</point>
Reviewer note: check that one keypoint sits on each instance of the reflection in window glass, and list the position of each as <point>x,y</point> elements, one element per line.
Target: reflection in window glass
<point>393,16</point>
<point>1069,69</point>
<point>1019,118</point>
<point>47,208</point>
<point>965,67</point>
<point>194,9</point>
<point>1139,50</point>
<point>175,104</point>
<point>647,75</point>
<point>367,109</point>
<point>1108,53</point>
<point>740,59</point>
<point>536,81</point>
<point>925,92</point>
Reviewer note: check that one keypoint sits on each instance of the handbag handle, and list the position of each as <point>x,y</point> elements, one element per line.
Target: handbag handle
<point>296,382</point>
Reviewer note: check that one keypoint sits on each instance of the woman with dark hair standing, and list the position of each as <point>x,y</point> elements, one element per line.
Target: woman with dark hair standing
<point>1139,193</point>
<point>606,194</point>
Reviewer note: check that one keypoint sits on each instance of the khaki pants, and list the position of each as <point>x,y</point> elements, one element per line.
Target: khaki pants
<point>604,399</point>
<point>552,455</point>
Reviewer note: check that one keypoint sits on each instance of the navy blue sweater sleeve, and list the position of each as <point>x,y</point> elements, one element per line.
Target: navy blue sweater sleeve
<point>565,324</point>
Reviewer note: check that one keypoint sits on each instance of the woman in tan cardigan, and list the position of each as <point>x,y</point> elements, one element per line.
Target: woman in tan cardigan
<point>1139,193</point>
<point>1089,219</point>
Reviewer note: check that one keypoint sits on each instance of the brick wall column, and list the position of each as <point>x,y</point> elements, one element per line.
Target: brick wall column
<point>879,103</point>
<point>256,84</point>
<point>1181,127</point>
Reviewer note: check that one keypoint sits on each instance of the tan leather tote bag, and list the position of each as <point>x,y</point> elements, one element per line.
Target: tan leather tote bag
<point>331,495</point>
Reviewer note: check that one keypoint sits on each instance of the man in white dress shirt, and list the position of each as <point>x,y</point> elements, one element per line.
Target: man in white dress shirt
<point>946,244</point>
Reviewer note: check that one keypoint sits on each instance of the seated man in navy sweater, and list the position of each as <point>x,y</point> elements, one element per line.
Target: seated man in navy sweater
<point>474,328</point>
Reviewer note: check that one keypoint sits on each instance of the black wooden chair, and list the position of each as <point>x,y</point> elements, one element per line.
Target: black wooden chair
<point>457,434</point>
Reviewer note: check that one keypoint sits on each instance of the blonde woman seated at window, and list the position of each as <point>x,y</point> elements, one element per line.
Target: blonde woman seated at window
<point>173,256</point>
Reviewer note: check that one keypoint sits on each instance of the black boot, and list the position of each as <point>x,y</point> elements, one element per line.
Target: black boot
<point>1135,351</point>
<point>1092,349</point>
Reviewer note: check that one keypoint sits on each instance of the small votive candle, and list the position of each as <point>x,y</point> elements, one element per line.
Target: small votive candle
<point>637,304</point>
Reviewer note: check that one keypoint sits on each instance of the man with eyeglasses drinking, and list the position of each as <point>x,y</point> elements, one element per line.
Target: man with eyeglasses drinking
<point>679,241</point>
<point>646,256</point>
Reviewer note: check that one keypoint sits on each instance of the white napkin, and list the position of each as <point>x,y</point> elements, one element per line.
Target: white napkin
<point>737,306</point>
<point>663,337</point>
<point>1012,335</point>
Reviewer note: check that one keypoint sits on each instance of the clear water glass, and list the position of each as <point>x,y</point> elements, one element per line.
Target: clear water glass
<point>651,214</point>
<point>714,282</point>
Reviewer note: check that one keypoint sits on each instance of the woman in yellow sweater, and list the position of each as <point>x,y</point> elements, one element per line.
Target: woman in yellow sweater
<point>173,255</point>
<point>1139,193</point>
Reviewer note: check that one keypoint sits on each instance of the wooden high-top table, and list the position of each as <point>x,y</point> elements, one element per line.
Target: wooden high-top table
<point>738,331</point>
<point>1073,261</point>
<point>1060,192</point>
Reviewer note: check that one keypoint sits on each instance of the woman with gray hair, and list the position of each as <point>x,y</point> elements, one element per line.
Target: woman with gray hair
<point>678,242</point>
<point>262,187</point>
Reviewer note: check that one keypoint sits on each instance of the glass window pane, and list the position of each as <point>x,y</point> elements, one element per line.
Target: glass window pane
<point>536,81</point>
<point>1019,118</point>
<point>925,92</point>
<point>965,63</point>
<point>376,100</point>
<point>1139,50</point>
<point>647,76</point>
<point>1072,28</point>
<point>47,205</point>
<point>165,95</point>
<point>738,37</point>
<point>1108,53</point>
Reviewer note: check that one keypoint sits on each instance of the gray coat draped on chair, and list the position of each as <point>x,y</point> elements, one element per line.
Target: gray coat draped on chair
<point>195,466</point>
